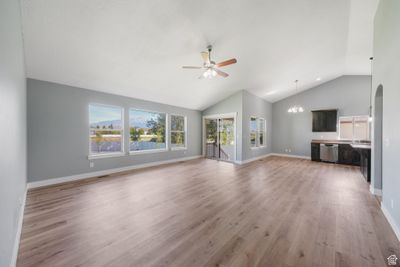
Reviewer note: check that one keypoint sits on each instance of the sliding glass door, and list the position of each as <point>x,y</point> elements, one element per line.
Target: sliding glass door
<point>220,138</point>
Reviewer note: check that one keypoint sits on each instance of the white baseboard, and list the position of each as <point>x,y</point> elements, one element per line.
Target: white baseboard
<point>375,191</point>
<point>269,155</point>
<point>290,156</point>
<point>19,230</point>
<point>240,162</point>
<point>391,221</point>
<point>71,178</point>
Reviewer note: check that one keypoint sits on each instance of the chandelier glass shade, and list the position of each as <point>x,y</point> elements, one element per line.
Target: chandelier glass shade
<point>296,108</point>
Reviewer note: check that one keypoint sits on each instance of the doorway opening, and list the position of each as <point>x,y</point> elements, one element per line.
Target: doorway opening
<point>378,141</point>
<point>219,134</point>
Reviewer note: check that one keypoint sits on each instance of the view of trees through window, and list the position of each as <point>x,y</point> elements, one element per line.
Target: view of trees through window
<point>105,129</point>
<point>178,134</point>
<point>147,130</point>
<point>253,131</point>
<point>261,131</point>
<point>227,136</point>
<point>257,132</point>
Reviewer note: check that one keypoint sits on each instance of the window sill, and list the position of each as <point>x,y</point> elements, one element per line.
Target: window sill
<point>178,148</point>
<point>108,155</point>
<point>258,147</point>
<point>150,151</point>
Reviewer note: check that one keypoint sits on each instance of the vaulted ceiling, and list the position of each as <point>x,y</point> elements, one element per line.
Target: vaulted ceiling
<point>136,48</point>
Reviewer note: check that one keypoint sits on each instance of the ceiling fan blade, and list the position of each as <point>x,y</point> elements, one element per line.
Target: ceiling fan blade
<point>191,67</point>
<point>221,73</point>
<point>227,62</point>
<point>205,56</point>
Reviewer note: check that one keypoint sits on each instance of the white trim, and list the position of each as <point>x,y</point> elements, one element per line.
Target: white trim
<point>122,130</point>
<point>290,156</point>
<point>184,131</point>
<point>253,159</point>
<point>148,151</point>
<point>270,155</point>
<point>391,221</point>
<point>178,148</point>
<point>106,155</point>
<point>167,129</point>
<point>220,116</point>
<point>19,230</point>
<point>353,118</point>
<point>375,191</point>
<point>71,178</point>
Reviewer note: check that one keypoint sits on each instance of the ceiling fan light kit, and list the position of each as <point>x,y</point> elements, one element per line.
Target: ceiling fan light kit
<point>210,67</point>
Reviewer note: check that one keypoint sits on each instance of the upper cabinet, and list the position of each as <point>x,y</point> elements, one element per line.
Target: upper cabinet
<point>324,120</point>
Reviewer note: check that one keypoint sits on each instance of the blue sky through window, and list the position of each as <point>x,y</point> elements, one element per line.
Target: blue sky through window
<point>105,115</point>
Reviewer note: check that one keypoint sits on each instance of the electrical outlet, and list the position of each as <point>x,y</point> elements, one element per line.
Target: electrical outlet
<point>184,152</point>
<point>392,203</point>
<point>290,151</point>
<point>91,164</point>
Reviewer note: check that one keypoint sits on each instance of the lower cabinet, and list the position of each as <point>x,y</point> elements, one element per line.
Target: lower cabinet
<point>315,152</point>
<point>365,165</point>
<point>348,155</point>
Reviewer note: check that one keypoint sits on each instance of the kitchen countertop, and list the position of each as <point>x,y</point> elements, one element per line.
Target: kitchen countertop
<point>361,145</point>
<point>321,141</point>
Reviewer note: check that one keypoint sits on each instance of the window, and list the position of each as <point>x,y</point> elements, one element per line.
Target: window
<point>147,130</point>
<point>253,132</point>
<point>261,132</point>
<point>178,132</point>
<point>106,129</point>
<point>258,132</point>
<point>354,128</point>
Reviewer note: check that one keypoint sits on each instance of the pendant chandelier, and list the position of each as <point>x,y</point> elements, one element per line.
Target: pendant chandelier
<point>296,108</point>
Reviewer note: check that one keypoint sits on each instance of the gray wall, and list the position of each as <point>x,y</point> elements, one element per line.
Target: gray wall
<point>231,104</point>
<point>245,105</point>
<point>386,69</point>
<point>377,140</point>
<point>13,122</point>
<point>255,106</point>
<point>58,141</point>
<point>349,94</point>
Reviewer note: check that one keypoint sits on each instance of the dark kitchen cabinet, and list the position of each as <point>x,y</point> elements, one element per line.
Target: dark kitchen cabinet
<point>324,120</point>
<point>348,155</point>
<point>315,152</point>
<point>365,163</point>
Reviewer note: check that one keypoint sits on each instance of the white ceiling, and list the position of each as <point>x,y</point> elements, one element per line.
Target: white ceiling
<point>136,48</point>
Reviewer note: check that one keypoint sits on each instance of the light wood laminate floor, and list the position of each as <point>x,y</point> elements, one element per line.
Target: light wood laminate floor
<point>272,212</point>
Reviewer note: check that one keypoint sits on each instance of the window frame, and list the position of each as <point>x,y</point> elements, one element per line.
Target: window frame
<point>149,151</point>
<point>353,118</point>
<point>257,144</point>
<point>121,153</point>
<point>264,131</point>
<point>184,131</point>
<point>255,131</point>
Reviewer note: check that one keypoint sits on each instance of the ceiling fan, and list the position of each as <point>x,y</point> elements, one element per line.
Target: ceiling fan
<point>210,67</point>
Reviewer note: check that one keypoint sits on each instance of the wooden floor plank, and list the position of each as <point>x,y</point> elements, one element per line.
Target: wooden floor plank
<point>272,212</point>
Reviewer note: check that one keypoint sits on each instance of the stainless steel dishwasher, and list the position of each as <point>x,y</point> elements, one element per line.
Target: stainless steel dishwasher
<point>329,152</point>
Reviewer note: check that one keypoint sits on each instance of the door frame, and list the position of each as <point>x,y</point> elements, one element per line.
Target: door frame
<point>220,116</point>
